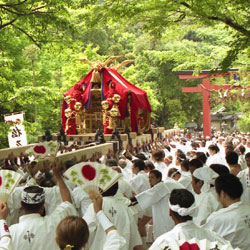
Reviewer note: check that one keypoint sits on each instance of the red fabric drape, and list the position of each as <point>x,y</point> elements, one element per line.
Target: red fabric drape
<point>139,98</point>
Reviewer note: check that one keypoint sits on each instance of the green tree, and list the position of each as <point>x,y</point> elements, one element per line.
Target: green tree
<point>157,16</point>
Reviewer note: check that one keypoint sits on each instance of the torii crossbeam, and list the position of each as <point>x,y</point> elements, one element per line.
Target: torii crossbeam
<point>205,89</point>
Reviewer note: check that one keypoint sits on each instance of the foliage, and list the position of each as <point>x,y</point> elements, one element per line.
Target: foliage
<point>157,16</point>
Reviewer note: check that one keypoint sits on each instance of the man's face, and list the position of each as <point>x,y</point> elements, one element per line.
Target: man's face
<point>196,185</point>
<point>248,161</point>
<point>153,179</point>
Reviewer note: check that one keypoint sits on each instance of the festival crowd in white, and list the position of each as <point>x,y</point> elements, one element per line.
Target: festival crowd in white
<point>169,189</point>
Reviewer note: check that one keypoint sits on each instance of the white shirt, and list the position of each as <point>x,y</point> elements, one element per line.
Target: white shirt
<point>157,198</point>
<point>186,230</point>
<point>244,179</point>
<point>34,232</point>
<point>120,216</point>
<point>5,238</point>
<point>140,182</point>
<point>206,203</point>
<point>233,224</point>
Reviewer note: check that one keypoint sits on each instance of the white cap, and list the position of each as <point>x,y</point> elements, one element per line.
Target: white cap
<point>206,174</point>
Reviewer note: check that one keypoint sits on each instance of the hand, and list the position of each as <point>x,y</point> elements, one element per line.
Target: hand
<point>97,202</point>
<point>4,211</point>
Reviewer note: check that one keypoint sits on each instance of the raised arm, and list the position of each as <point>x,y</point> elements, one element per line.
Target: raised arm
<point>65,194</point>
<point>5,238</point>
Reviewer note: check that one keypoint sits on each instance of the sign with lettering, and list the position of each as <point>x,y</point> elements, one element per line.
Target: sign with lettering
<point>17,135</point>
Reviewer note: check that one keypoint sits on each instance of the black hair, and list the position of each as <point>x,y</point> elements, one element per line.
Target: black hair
<point>232,157</point>
<point>173,170</point>
<point>68,164</point>
<point>201,156</point>
<point>242,149</point>
<point>230,184</point>
<point>181,157</point>
<point>195,163</point>
<point>183,198</point>
<point>139,164</point>
<point>185,164</point>
<point>111,191</point>
<point>220,169</point>
<point>168,148</point>
<point>214,148</point>
<point>111,163</point>
<point>141,156</point>
<point>149,164</point>
<point>157,173</point>
<point>158,155</point>
<point>247,155</point>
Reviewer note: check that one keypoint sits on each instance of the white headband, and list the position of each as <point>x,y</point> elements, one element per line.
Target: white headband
<point>33,198</point>
<point>174,173</point>
<point>183,211</point>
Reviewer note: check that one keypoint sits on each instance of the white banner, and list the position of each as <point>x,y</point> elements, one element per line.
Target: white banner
<point>17,135</point>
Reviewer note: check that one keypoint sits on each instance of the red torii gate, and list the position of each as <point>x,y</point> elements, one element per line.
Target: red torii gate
<point>205,89</point>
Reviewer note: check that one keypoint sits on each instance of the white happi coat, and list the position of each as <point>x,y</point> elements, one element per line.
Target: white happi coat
<point>140,182</point>
<point>186,230</point>
<point>125,188</point>
<point>186,180</point>
<point>157,198</point>
<point>244,179</point>
<point>81,200</point>
<point>121,216</point>
<point>206,203</point>
<point>217,158</point>
<point>34,232</point>
<point>5,238</point>
<point>162,167</point>
<point>233,224</point>
<point>114,241</point>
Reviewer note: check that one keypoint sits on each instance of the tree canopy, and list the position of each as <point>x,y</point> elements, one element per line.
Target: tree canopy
<point>157,16</point>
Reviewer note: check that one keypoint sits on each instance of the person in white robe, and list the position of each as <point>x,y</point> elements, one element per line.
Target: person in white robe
<point>186,179</point>
<point>81,200</point>
<point>232,222</point>
<point>73,233</point>
<point>181,209</point>
<point>232,161</point>
<point>33,228</point>
<point>205,198</point>
<point>215,156</point>
<point>121,217</point>
<point>157,198</point>
<point>244,179</point>
<point>158,160</point>
<point>126,171</point>
<point>140,181</point>
<point>5,237</point>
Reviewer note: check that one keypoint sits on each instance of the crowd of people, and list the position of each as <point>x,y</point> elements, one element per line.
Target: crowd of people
<point>169,189</point>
